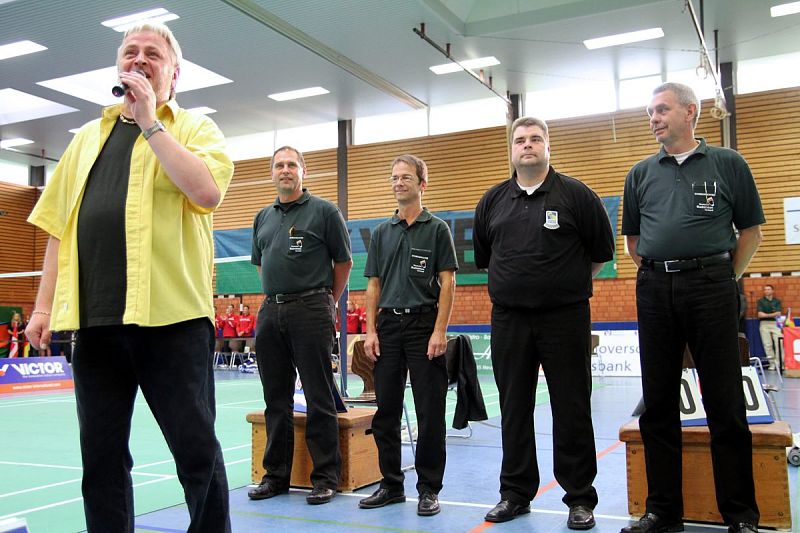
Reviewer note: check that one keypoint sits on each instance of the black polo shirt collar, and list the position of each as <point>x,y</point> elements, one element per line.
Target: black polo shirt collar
<point>702,148</point>
<point>546,185</point>
<point>423,217</point>
<point>303,199</point>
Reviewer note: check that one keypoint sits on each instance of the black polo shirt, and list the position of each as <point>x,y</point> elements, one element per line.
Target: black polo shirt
<point>408,259</point>
<point>297,243</point>
<point>689,210</point>
<point>539,248</point>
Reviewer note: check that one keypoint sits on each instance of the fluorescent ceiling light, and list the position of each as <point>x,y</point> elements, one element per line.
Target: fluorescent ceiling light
<point>471,64</point>
<point>785,9</point>
<point>203,110</point>
<point>20,48</point>
<point>17,106</point>
<point>299,93</point>
<point>95,85</point>
<point>10,143</point>
<point>154,15</point>
<point>624,38</point>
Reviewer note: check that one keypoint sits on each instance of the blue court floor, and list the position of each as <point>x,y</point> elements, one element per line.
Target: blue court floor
<point>40,469</point>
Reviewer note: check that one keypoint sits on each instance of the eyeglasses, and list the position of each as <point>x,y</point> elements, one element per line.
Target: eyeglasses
<point>405,179</point>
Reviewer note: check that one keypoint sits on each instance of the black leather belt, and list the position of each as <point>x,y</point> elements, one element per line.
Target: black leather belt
<point>684,265</point>
<point>422,309</point>
<point>286,298</point>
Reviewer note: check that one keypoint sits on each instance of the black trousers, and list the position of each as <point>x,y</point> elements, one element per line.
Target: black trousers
<point>404,345</point>
<point>560,341</point>
<point>299,335</point>
<point>699,308</point>
<point>172,366</point>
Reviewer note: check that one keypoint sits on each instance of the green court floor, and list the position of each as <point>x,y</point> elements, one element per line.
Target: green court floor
<point>40,465</point>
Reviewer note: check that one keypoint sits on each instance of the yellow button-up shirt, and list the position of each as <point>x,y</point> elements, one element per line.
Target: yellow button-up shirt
<point>169,242</point>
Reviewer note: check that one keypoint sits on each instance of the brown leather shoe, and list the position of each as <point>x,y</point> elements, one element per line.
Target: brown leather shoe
<point>267,489</point>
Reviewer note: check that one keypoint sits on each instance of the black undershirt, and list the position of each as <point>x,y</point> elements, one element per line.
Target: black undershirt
<point>102,262</point>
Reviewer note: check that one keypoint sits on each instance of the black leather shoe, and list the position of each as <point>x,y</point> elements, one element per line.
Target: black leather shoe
<point>319,495</point>
<point>651,523</point>
<point>580,517</point>
<point>742,527</point>
<point>506,510</point>
<point>428,504</point>
<point>380,498</point>
<point>267,489</point>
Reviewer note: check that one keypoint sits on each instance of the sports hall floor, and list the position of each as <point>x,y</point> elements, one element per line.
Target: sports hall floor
<point>40,469</point>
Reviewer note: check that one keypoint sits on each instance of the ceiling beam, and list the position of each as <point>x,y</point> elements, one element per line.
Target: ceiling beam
<point>277,24</point>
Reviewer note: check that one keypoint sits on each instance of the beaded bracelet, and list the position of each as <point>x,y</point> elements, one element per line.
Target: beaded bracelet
<point>40,313</point>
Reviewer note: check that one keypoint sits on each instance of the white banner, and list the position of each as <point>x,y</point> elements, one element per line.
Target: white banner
<point>617,354</point>
<point>791,220</point>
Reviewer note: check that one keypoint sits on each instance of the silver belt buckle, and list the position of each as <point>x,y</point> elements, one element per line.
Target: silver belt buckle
<point>402,311</point>
<point>666,265</point>
<point>279,299</point>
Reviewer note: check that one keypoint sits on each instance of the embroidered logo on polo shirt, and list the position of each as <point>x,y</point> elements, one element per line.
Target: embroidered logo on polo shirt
<point>551,219</point>
<point>704,195</point>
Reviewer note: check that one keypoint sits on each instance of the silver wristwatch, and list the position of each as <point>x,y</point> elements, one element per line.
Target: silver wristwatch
<point>157,126</point>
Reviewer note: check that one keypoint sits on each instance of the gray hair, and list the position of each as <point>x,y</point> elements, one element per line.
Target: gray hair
<point>159,29</point>
<point>685,94</point>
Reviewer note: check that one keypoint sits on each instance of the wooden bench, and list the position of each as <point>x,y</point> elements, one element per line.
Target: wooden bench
<point>359,453</point>
<point>699,502</point>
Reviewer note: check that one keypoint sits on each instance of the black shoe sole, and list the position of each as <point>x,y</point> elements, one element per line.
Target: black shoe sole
<point>500,520</point>
<point>389,501</point>
<point>430,512</point>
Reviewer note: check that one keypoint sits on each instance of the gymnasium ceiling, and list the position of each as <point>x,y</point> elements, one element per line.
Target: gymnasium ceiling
<point>376,64</point>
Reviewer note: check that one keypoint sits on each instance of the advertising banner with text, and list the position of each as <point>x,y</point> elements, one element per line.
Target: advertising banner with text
<point>34,374</point>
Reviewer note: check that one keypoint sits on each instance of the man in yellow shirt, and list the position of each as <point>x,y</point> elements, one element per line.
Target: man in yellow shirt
<point>128,264</point>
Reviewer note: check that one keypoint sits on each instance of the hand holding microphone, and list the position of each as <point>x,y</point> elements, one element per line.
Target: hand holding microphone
<point>122,88</point>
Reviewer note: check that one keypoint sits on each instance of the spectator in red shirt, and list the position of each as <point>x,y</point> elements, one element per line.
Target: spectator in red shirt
<point>247,323</point>
<point>247,327</point>
<point>355,318</point>
<point>229,323</point>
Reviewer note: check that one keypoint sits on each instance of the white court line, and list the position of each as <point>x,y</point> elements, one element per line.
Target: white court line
<point>171,460</point>
<point>41,487</point>
<point>240,403</point>
<point>26,403</point>
<point>73,500</point>
<point>40,465</point>
<point>625,518</point>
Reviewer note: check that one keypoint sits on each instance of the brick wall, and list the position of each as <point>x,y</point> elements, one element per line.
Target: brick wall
<point>614,299</point>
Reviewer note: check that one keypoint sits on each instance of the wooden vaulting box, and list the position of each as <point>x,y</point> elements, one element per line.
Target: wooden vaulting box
<point>359,453</point>
<point>699,503</point>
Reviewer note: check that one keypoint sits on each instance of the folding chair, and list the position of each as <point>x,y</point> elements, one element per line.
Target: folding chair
<point>364,367</point>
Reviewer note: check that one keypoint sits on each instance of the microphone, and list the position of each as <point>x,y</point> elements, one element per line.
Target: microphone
<point>122,88</point>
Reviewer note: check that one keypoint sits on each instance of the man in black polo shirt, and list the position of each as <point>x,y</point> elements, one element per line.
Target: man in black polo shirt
<point>543,236</point>
<point>302,250</point>
<point>679,212</point>
<point>411,268</point>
